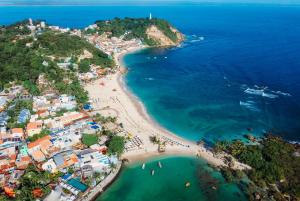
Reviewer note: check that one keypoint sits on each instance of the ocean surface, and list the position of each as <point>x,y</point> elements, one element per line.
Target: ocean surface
<point>238,70</point>
<point>168,183</point>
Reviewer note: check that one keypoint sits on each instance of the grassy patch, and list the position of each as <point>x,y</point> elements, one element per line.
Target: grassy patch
<point>89,139</point>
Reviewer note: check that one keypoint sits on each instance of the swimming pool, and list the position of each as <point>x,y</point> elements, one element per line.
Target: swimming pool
<point>77,184</point>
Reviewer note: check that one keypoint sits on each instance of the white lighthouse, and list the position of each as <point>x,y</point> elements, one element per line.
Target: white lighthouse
<point>150,16</point>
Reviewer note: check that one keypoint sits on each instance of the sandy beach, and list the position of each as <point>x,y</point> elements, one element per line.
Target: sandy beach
<point>110,96</point>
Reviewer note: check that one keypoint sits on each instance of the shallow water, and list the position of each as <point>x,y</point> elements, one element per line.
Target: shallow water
<point>168,182</point>
<point>200,90</point>
<point>239,68</point>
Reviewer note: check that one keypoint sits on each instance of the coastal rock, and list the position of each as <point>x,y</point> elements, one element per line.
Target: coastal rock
<point>158,36</point>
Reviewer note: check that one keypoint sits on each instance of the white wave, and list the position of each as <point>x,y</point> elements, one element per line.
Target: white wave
<point>258,92</point>
<point>250,105</point>
<point>195,40</point>
<point>281,93</point>
<point>269,95</point>
<point>149,78</point>
<point>294,142</point>
<point>250,101</point>
<point>244,103</point>
<point>166,57</point>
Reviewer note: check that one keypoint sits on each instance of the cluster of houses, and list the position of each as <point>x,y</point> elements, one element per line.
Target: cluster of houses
<point>50,139</point>
<point>50,134</point>
<point>113,45</point>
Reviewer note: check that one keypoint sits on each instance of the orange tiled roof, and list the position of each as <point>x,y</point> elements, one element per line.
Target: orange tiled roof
<point>33,125</point>
<point>45,145</point>
<point>17,130</point>
<point>13,157</point>
<point>38,155</point>
<point>38,141</point>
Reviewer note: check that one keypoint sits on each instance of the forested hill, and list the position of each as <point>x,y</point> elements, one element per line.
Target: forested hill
<point>28,50</point>
<point>22,53</point>
<point>151,32</point>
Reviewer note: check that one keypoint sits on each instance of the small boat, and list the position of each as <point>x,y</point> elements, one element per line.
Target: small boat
<point>214,188</point>
<point>152,172</point>
<point>143,166</point>
<point>187,184</point>
<point>159,164</point>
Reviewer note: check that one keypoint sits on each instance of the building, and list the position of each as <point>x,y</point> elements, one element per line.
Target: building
<point>17,133</point>
<point>3,101</point>
<point>7,140</point>
<point>22,161</point>
<point>5,164</point>
<point>33,128</point>
<point>67,140</point>
<point>50,166</point>
<point>38,155</point>
<point>65,160</point>
<point>23,116</point>
<point>71,117</point>
<point>95,159</point>
<point>15,176</point>
<point>43,113</point>
<point>41,148</point>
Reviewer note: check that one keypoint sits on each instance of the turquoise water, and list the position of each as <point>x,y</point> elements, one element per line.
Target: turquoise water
<point>198,90</point>
<point>210,88</point>
<point>168,183</point>
<point>77,184</point>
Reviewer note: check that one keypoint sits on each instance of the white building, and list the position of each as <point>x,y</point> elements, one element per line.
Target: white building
<point>50,166</point>
<point>95,159</point>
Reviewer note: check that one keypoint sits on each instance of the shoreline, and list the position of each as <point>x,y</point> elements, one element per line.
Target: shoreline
<point>137,102</point>
<point>113,97</point>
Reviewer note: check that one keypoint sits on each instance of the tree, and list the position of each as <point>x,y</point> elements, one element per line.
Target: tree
<point>84,66</point>
<point>116,145</point>
<point>89,139</point>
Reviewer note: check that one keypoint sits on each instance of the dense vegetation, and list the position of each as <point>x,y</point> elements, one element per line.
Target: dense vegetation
<point>35,137</point>
<point>134,28</point>
<point>66,45</point>
<point>22,56</point>
<point>273,162</point>
<point>14,111</point>
<point>89,139</point>
<point>116,145</point>
<point>35,183</point>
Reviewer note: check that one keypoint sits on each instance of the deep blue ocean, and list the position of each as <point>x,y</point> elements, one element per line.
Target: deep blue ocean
<point>238,70</point>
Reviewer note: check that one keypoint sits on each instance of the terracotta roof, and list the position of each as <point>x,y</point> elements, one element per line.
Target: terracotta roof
<point>45,145</point>
<point>13,157</point>
<point>39,141</point>
<point>25,158</point>
<point>34,125</point>
<point>38,155</point>
<point>17,130</point>
<point>39,112</point>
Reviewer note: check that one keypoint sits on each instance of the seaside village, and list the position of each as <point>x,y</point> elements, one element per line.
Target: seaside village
<point>51,133</point>
<point>51,137</point>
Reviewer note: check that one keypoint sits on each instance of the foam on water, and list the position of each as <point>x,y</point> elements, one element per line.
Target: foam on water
<point>251,105</point>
